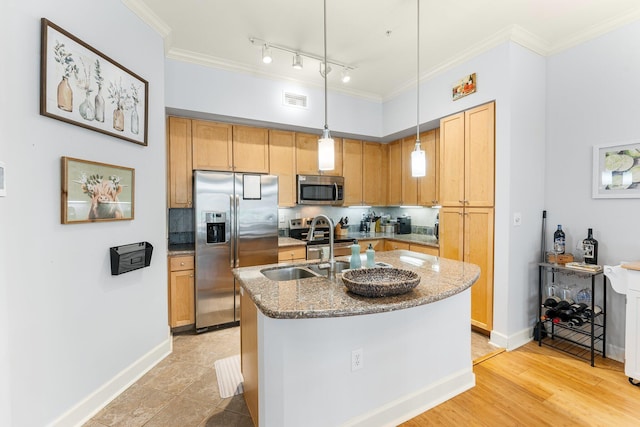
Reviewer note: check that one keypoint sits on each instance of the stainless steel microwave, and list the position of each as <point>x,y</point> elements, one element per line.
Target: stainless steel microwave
<point>320,190</point>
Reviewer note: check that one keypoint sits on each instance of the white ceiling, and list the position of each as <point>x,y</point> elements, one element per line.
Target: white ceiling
<point>377,37</point>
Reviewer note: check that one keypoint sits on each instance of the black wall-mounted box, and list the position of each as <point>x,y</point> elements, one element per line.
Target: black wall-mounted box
<point>130,257</point>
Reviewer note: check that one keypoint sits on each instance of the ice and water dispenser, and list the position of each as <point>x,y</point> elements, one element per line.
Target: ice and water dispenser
<point>216,227</point>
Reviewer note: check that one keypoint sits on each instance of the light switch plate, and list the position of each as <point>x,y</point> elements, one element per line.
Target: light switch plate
<point>3,181</point>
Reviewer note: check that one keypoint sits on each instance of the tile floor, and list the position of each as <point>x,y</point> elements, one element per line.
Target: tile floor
<point>182,390</point>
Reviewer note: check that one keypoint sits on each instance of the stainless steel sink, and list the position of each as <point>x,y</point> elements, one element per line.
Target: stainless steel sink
<point>288,273</point>
<point>323,267</point>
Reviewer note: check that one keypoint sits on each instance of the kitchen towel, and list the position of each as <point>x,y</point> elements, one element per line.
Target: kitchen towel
<point>229,376</point>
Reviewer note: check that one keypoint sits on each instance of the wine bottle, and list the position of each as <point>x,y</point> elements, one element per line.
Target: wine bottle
<point>551,301</point>
<point>559,240</point>
<point>590,248</point>
<point>591,313</point>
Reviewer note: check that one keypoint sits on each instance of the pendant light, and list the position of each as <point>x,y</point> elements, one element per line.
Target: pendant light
<point>326,154</point>
<point>418,157</point>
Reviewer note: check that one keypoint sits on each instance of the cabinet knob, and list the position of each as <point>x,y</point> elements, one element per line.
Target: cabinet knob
<point>182,264</point>
<point>191,275</point>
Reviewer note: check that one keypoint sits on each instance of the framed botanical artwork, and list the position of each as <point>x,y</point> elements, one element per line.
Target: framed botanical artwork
<point>616,171</point>
<point>93,191</point>
<point>81,86</point>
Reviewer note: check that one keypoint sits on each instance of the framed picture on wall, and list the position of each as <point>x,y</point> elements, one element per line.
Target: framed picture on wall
<point>93,191</point>
<point>82,86</point>
<point>616,171</point>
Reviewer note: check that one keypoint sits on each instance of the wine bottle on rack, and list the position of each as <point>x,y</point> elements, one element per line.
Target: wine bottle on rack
<point>559,240</point>
<point>591,313</point>
<point>590,248</point>
<point>551,301</point>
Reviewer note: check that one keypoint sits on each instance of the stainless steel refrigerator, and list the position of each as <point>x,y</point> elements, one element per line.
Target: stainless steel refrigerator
<point>236,225</point>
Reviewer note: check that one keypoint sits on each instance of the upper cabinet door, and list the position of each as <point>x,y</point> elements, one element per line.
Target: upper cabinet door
<point>250,149</point>
<point>212,146</point>
<point>352,155</point>
<point>479,155</point>
<point>409,183</point>
<point>452,160</point>
<point>179,156</point>
<point>374,165</point>
<point>282,162</point>
<point>428,186</point>
<point>394,195</point>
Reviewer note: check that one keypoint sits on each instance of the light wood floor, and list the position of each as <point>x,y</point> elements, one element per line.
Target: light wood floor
<point>539,386</point>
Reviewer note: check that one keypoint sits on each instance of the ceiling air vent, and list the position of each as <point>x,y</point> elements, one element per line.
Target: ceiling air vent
<point>295,100</point>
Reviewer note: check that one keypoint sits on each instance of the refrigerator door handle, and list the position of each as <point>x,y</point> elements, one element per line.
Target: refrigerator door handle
<point>237,231</point>
<point>232,242</point>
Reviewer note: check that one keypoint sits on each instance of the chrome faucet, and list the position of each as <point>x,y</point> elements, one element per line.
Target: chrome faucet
<point>312,230</point>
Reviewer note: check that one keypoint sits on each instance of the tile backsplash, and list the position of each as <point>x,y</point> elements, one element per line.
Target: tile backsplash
<point>181,229</point>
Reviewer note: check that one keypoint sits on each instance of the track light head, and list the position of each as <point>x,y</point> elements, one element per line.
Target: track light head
<point>346,76</point>
<point>297,61</point>
<point>266,54</point>
<point>322,73</point>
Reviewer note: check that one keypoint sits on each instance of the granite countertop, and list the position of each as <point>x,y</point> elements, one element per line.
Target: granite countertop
<point>320,297</point>
<point>181,249</point>
<point>284,242</point>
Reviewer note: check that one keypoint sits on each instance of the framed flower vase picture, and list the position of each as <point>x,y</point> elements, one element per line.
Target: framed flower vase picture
<point>616,171</point>
<point>82,86</point>
<point>93,191</point>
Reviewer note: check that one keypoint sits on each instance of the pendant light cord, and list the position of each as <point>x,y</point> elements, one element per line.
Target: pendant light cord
<point>326,126</point>
<point>418,78</point>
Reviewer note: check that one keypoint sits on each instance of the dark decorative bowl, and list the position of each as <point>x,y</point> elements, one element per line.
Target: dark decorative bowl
<point>380,282</point>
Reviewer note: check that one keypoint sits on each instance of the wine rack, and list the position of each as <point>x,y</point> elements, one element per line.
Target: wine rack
<point>583,341</point>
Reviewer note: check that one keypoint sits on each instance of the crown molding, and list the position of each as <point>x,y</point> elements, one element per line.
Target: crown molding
<point>151,19</point>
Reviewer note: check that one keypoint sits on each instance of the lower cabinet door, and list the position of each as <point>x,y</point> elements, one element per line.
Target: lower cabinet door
<point>181,299</point>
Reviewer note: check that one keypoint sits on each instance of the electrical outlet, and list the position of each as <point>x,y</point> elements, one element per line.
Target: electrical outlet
<point>281,218</point>
<point>517,219</point>
<point>357,360</point>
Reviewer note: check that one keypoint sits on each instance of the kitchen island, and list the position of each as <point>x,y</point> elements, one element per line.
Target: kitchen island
<point>315,354</point>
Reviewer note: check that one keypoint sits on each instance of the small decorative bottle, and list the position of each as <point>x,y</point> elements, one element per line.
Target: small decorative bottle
<point>590,248</point>
<point>371,257</point>
<point>559,240</point>
<point>355,262</point>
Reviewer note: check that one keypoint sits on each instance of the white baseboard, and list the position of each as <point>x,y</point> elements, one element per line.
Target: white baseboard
<point>412,405</point>
<point>511,342</point>
<point>100,398</point>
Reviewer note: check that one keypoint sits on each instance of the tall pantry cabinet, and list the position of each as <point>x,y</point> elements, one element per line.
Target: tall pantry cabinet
<point>467,182</point>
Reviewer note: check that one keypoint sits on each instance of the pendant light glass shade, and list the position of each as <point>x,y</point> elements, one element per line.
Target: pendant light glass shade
<point>326,151</point>
<point>418,161</point>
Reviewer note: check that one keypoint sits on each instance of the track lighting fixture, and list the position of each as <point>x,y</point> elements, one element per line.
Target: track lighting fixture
<point>266,54</point>
<point>298,56</point>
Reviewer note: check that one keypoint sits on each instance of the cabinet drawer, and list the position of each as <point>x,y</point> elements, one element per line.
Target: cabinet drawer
<point>291,253</point>
<point>177,263</point>
<point>429,250</point>
<point>392,245</point>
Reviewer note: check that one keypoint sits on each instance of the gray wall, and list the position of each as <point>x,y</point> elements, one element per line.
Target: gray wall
<point>74,334</point>
<point>592,100</point>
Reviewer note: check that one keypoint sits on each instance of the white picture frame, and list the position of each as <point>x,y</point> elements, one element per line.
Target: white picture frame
<point>616,171</point>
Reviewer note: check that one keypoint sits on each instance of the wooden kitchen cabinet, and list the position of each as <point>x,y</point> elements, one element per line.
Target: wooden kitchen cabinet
<point>467,157</point>
<point>376,244</point>
<point>212,145</point>
<point>375,165</point>
<point>409,183</point>
<point>307,155</point>
<point>392,245</point>
<point>282,162</point>
<point>466,234</point>
<point>181,291</point>
<point>428,185</point>
<point>353,176</point>
<point>394,189</point>
<point>292,253</point>
<point>250,149</point>
<point>179,162</point>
